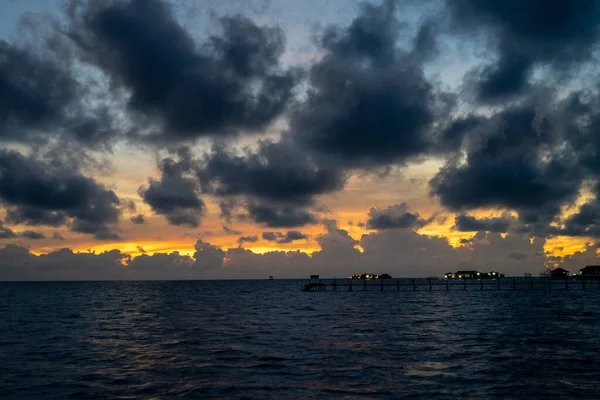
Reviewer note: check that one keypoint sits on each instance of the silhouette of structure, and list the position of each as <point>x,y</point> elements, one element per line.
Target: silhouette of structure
<point>590,272</point>
<point>499,283</point>
<point>559,273</point>
<point>473,275</point>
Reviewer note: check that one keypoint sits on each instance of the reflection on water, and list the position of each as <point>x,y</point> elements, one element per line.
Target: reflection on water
<point>267,339</point>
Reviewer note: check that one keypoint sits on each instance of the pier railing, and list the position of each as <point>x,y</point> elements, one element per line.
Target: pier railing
<point>402,284</point>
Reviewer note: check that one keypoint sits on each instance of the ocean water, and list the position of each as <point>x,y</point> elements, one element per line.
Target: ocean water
<point>267,339</point>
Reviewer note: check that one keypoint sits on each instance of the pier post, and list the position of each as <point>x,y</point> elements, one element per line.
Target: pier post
<point>429,284</point>
<point>334,285</point>
<point>480,284</point>
<point>464,284</point>
<point>398,284</point>
<point>530,283</point>
<point>414,285</point>
<point>446,285</point>
<point>514,284</point>
<point>583,285</point>
<point>350,285</point>
<point>381,286</point>
<point>498,282</point>
<point>365,285</point>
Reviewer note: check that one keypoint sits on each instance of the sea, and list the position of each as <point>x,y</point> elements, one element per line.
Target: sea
<point>267,339</point>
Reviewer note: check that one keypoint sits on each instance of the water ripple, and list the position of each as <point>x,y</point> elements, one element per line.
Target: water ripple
<point>266,339</point>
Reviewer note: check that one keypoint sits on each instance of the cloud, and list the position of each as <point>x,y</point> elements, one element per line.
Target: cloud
<point>228,231</point>
<point>393,217</point>
<point>275,171</point>
<point>41,100</point>
<point>516,159</point>
<point>6,232</point>
<point>138,219</point>
<point>580,259</point>
<point>369,103</point>
<point>280,217</point>
<point>39,192</point>
<point>467,223</point>
<point>585,222</point>
<point>35,216</point>
<point>232,82</point>
<point>399,252</point>
<point>288,237</point>
<point>57,236</point>
<point>553,33</point>
<point>177,194</point>
<point>33,235</point>
<point>247,239</point>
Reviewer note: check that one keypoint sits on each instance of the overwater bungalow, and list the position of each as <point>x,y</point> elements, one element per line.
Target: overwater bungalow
<point>590,272</point>
<point>473,275</point>
<point>559,273</point>
<point>369,276</point>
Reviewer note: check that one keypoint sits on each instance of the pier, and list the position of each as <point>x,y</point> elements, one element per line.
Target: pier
<point>428,284</point>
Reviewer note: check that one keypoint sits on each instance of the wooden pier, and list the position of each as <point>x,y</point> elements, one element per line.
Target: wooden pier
<point>542,284</point>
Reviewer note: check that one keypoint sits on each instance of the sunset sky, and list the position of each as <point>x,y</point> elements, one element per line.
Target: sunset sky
<point>149,139</point>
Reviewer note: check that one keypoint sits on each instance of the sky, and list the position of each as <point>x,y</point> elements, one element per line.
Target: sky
<point>241,139</point>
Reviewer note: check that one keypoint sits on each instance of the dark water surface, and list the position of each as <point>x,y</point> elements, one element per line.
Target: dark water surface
<point>266,339</point>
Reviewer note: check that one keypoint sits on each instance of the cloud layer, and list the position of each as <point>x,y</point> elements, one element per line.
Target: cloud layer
<point>240,129</point>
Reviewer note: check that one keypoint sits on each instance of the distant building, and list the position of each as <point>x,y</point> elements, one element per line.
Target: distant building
<point>473,275</point>
<point>590,272</point>
<point>559,273</point>
<point>369,276</point>
<point>467,274</point>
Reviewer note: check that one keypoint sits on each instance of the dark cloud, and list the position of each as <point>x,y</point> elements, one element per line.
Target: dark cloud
<point>392,217</point>
<point>467,223</point>
<point>33,93</point>
<point>276,171</point>
<point>6,232</point>
<point>233,81</point>
<point>57,236</point>
<point>35,216</point>
<point>247,239</point>
<point>43,97</point>
<point>585,222</point>
<point>280,217</point>
<point>41,100</point>
<point>452,135</point>
<point>138,219</point>
<point>227,207</point>
<point>228,231</point>
<point>33,235</point>
<point>288,237</point>
<point>516,159</point>
<point>369,103</point>
<point>39,192</point>
<point>561,34</point>
<point>177,194</point>
<point>276,184</point>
